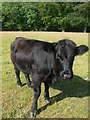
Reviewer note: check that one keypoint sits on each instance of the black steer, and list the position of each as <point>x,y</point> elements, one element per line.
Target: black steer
<point>45,62</point>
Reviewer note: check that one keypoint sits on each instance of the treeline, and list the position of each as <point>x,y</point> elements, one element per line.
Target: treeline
<point>54,16</point>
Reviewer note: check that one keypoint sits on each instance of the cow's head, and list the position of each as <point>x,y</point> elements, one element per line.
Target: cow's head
<point>66,50</point>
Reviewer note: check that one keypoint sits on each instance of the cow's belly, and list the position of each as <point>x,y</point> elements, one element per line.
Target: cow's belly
<point>24,68</point>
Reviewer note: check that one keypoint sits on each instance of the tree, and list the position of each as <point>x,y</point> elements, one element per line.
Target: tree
<point>78,18</point>
<point>49,15</point>
<point>12,16</point>
<point>54,16</point>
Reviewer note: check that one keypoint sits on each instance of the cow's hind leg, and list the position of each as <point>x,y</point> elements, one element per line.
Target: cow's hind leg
<point>46,93</point>
<point>28,80</point>
<point>17,71</point>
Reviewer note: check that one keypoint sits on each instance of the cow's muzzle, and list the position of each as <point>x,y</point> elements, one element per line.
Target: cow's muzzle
<point>66,76</point>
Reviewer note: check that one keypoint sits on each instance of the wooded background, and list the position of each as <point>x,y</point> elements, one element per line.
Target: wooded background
<point>46,16</point>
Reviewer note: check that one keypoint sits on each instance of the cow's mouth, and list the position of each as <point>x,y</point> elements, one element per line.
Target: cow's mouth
<point>66,77</point>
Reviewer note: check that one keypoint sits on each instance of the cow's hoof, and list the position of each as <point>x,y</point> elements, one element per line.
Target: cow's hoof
<point>48,101</point>
<point>31,115</point>
<point>20,85</point>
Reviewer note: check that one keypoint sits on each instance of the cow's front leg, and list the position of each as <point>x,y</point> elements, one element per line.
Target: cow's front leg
<point>46,93</point>
<point>28,80</point>
<point>37,91</point>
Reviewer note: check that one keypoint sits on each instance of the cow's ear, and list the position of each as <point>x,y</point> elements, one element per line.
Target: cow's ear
<point>80,50</point>
<point>55,44</point>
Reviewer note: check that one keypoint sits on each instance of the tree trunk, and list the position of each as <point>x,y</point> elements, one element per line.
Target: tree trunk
<point>63,30</point>
<point>85,29</point>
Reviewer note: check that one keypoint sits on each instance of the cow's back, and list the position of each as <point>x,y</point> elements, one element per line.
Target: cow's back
<point>26,52</point>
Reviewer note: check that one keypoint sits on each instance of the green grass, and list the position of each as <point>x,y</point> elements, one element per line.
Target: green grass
<point>69,98</point>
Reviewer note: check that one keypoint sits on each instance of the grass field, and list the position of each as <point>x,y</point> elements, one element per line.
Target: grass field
<point>69,99</point>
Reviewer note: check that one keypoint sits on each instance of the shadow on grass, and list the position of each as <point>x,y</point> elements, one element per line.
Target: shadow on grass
<point>77,87</point>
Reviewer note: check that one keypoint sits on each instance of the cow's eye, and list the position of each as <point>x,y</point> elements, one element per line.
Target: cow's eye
<point>60,57</point>
<point>72,58</point>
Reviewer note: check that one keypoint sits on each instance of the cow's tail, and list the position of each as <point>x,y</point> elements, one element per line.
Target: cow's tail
<point>12,51</point>
<point>13,46</point>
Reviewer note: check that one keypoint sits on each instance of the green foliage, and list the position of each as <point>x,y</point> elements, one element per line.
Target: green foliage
<point>79,17</point>
<point>46,16</point>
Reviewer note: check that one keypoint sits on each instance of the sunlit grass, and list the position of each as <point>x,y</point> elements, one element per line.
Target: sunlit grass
<point>69,99</point>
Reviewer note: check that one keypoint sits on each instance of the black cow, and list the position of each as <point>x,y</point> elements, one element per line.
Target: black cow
<point>45,62</point>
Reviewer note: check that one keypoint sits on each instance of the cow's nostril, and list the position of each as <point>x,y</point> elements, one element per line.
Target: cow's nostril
<point>65,75</point>
<point>67,72</point>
